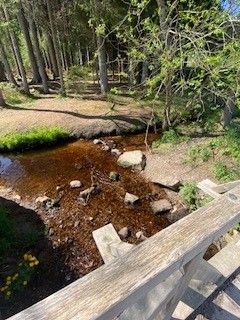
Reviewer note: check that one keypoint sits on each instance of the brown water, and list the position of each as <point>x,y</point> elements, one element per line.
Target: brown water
<point>38,173</point>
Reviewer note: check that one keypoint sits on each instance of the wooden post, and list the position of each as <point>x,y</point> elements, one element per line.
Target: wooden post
<point>189,270</point>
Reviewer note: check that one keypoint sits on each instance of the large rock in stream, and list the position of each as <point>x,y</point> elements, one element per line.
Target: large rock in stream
<point>132,159</point>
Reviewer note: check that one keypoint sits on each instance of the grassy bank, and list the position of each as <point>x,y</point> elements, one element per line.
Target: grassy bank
<point>32,139</point>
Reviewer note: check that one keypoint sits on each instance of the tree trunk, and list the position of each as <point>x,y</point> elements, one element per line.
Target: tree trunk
<point>229,110</point>
<point>80,55</point>
<point>52,56</point>
<point>88,55</point>
<point>40,61</point>
<point>144,72</point>
<point>24,26</point>
<point>56,48</point>
<point>6,64</point>
<point>18,55</point>
<point>168,103</point>
<point>2,101</point>
<point>102,64</point>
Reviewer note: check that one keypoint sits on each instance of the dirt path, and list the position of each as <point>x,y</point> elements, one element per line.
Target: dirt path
<point>82,118</point>
<point>170,164</point>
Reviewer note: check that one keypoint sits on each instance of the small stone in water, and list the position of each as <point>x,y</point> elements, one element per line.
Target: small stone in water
<point>116,152</point>
<point>76,224</point>
<point>97,141</point>
<point>75,184</point>
<point>114,176</point>
<point>106,148</point>
<point>130,199</point>
<point>43,199</point>
<point>140,236</point>
<point>124,233</point>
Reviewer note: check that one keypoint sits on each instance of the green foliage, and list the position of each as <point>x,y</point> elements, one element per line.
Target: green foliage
<point>82,72</point>
<point>13,95</point>
<point>224,173</point>
<point>199,153</point>
<point>189,193</point>
<point>169,137</point>
<point>35,138</point>
<point>18,281</point>
<point>75,78</point>
<point>115,91</point>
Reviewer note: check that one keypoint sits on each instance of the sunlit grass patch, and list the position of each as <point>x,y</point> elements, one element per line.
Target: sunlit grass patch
<point>35,138</point>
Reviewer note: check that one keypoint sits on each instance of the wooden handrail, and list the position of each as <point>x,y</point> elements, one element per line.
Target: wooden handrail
<point>109,290</point>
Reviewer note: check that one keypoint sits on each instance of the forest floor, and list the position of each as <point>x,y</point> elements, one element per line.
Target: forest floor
<point>170,163</point>
<point>82,118</point>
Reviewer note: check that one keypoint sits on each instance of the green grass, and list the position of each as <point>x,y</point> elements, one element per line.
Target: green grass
<point>169,137</point>
<point>225,173</point>
<point>199,153</point>
<point>189,194</point>
<point>35,138</point>
<point>13,96</point>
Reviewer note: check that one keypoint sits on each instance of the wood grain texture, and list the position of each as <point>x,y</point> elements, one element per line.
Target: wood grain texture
<point>208,187</point>
<point>224,187</point>
<point>107,291</point>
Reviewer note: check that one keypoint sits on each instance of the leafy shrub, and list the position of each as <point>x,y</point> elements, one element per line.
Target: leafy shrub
<point>75,78</point>
<point>224,173</point>
<point>170,136</point>
<point>34,138</point>
<point>17,281</point>
<point>189,193</point>
<point>78,71</point>
<point>199,153</point>
<point>115,91</point>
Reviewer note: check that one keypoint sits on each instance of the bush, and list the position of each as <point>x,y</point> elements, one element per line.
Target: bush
<point>170,136</point>
<point>199,153</point>
<point>34,138</point>
<point>224,173</point>
<point>189,193</point>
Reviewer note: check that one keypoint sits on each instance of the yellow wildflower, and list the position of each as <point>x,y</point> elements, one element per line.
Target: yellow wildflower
<point>25,283</point>
<point>8,293</point>
<point>8,278</point>
<point>25,257</point>
<point>8,282</point>
<point>31,264</point>
<point>15,276</point>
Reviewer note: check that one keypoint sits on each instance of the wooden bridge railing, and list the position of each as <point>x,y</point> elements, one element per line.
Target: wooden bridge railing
<point>167,260</point>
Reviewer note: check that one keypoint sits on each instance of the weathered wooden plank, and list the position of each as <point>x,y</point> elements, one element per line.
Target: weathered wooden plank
<point>224,187</point>
<point>189,269</point>
<point>211,275</point>
<point>109,243</point>
<point>107,291</point>
<point>207,187</point>
<point>110,247</point>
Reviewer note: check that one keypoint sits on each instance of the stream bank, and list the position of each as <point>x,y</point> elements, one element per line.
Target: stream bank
<point>67,242</point>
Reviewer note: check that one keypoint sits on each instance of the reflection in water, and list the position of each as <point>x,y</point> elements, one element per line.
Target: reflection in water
<point>10,170</point>
<point>5,163</point>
